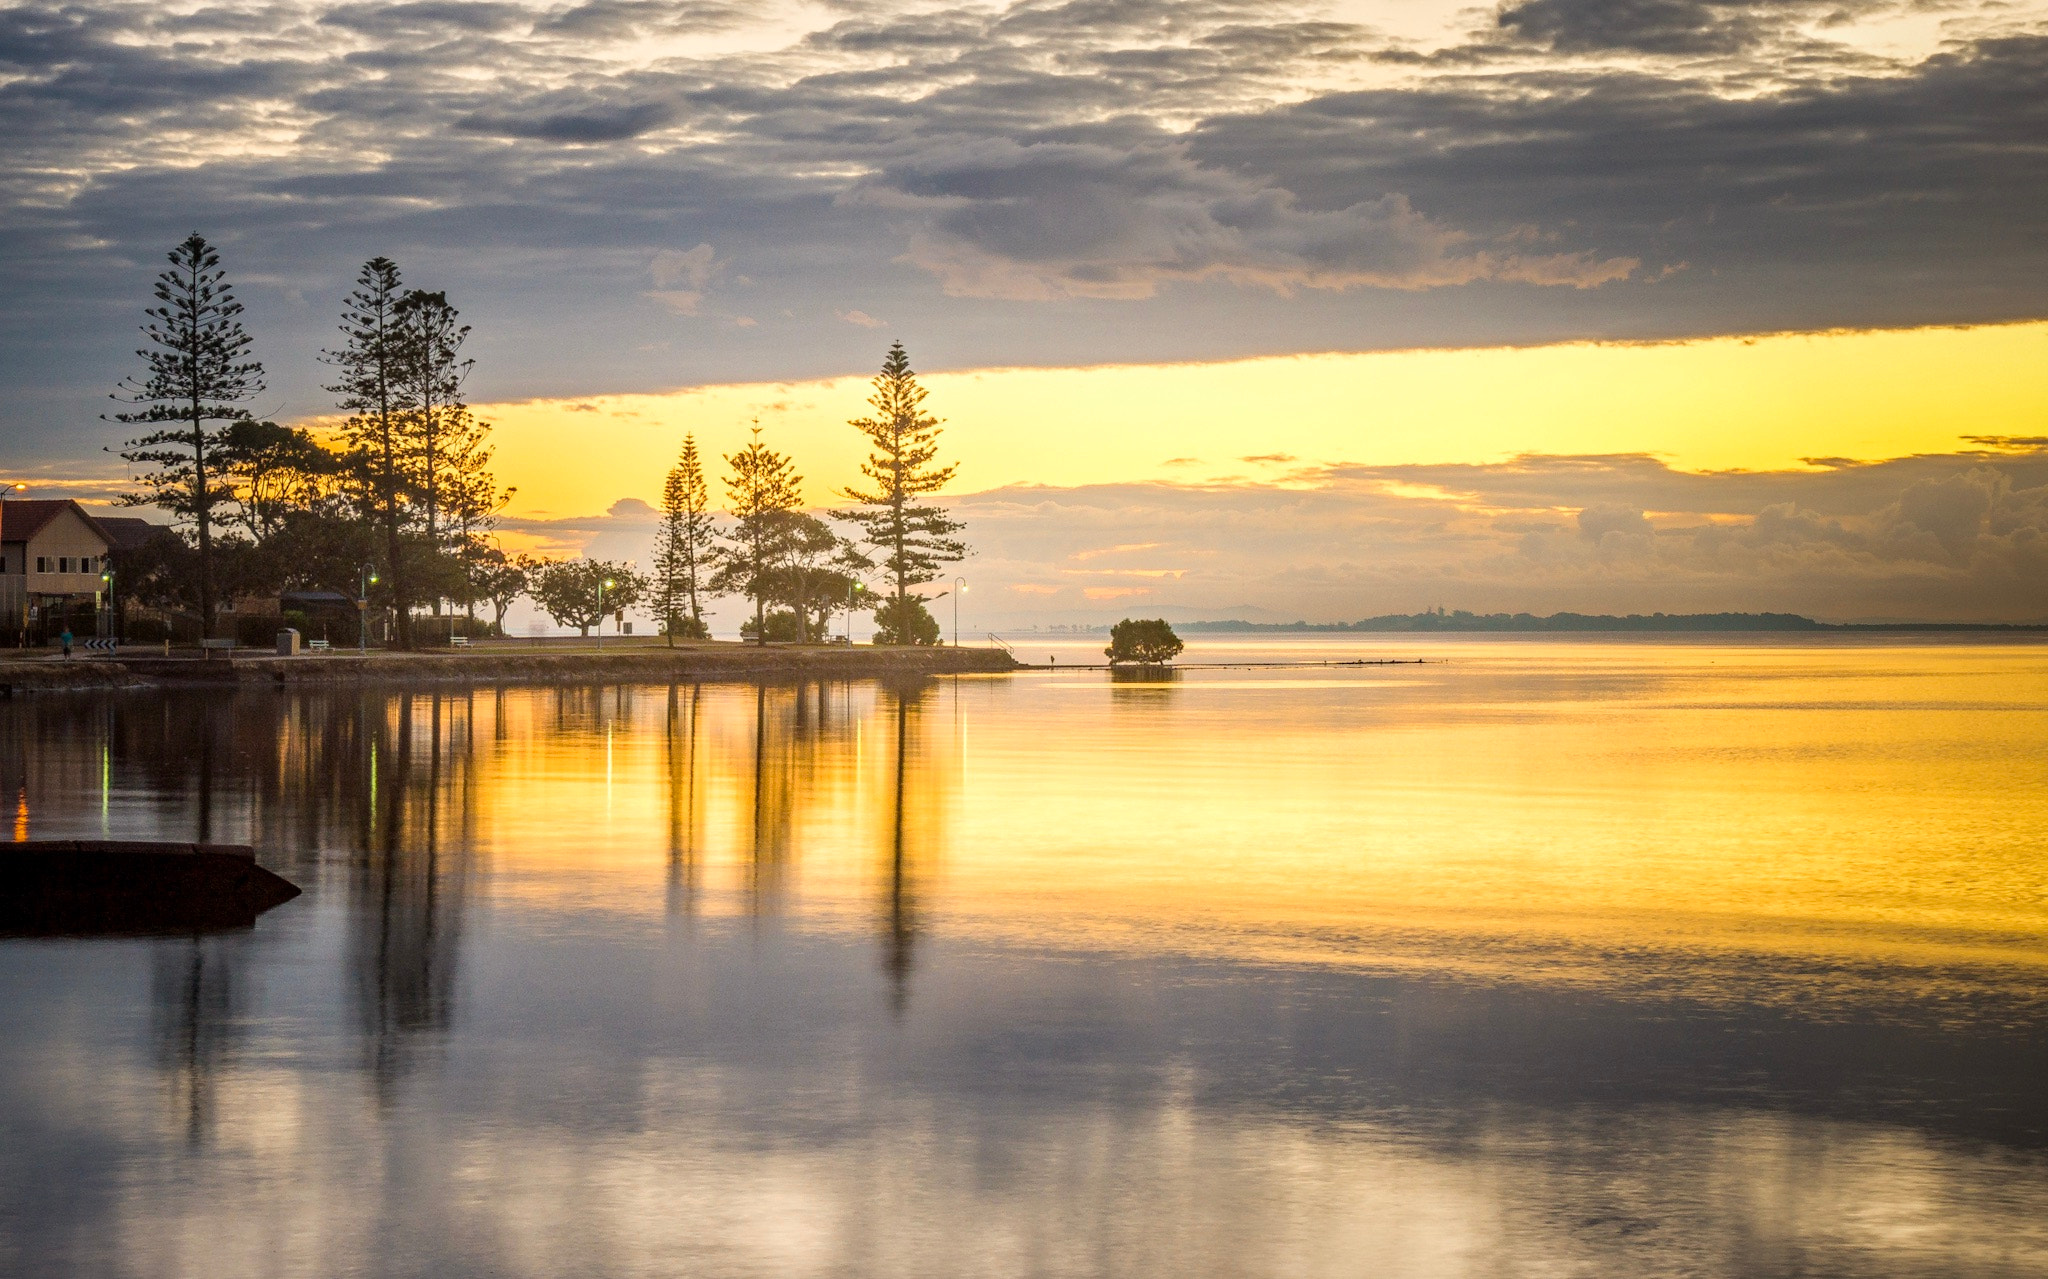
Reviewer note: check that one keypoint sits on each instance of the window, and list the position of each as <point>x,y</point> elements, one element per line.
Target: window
<point>63,563</point>
<point>42,563</point>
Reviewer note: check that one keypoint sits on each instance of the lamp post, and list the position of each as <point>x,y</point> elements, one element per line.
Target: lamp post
<point>959,589</point>
<point>600,612</point>
<point>363,583</point>
<point>106,626</point>
<point>852,589</point>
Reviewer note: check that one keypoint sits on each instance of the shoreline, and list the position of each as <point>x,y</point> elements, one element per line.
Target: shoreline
<point>144,669</point>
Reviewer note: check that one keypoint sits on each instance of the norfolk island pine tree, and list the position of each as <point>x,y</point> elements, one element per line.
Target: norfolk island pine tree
<point>914,540</point>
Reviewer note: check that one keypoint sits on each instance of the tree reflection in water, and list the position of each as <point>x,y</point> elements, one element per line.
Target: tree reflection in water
<point>407,892</point>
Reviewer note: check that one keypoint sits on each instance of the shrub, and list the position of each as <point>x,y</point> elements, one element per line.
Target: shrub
<point>911,624</point>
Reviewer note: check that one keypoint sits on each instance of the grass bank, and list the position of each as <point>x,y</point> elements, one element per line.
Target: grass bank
<point>509,662</point>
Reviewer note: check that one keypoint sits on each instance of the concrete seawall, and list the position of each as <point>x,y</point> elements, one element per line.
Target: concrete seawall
<point>503,665</point>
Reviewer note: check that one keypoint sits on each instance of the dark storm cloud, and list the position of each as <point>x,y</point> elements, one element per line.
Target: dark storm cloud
<point>425,16</point>
<point>1162,180</point>
<point>591,124</point>
<point>1666,26</point>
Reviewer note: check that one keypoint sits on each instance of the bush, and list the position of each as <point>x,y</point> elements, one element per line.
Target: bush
<point>1148,643</point>
<point>783,627</point>
<point>147,630</point>
<point>689,628</point>
<point>911,624</point>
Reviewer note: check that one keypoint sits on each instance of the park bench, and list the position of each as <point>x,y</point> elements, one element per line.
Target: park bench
<point>458,641</point>
<point>318,646</point>
<point>208,647</point>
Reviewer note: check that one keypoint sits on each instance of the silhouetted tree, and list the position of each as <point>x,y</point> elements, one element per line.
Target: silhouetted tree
<point>568,590</point>
<point>197,370</point>
<point>1147,643</point>
<point>372,392</point>
<point>914,539</point>
<point>272,470</point>
<point>444,448</point>
<point>502,579</point>
<point>765,492</point>
<point>683,547</point>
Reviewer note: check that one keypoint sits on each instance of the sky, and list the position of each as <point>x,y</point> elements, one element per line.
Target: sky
<point>1255,309</point>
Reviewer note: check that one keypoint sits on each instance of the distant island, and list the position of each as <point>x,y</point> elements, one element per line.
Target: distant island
<point>1461,620</point>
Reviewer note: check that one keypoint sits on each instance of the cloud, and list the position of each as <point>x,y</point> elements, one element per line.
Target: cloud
<point>1061,219</point>
<point>861,318</point>
<point>1172,180</point>
<point>693,268</point>
<point>1956,537</point>
<point>586,125</point>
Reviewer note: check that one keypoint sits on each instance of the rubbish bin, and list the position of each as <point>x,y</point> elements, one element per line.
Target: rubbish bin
<point>288,642</point>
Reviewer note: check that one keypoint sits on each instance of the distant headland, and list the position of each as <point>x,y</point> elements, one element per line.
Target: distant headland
<point>1460,620</point>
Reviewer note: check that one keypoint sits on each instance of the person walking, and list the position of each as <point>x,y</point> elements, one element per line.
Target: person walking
<point>65,640</point>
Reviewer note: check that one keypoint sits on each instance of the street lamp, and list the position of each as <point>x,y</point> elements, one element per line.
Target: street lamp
<point>852,589</point>
<point>363,582</point>
<point>600,612</point>
<point>959,589</point>
<point>106,626</point>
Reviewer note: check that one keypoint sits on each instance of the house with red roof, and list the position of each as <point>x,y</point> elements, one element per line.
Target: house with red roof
<point>52,556</point>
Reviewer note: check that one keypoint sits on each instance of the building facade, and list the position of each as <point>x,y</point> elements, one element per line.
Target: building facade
<point>52,557</point>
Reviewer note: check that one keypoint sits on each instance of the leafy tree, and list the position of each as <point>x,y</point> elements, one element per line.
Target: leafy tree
<point>197,370</point>
<point>765,493</point>
<point>568,590</point>
<point>501,579</point>
<point>1148,643</point>
<point>321,545</point>
<point>161,572</point>
<point>474,500</point>
<point>371,390</point>
<point>914,539</point>
<point>905,620</point>
<point>782,627</point>
<point>272,470</point>
<point>684,546</point>
<point>817,573</point>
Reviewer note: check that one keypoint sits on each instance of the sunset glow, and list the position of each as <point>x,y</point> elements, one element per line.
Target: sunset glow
<point>1757,404</point>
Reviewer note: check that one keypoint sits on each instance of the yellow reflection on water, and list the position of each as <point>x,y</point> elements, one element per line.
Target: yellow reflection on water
<point>1661,812</point>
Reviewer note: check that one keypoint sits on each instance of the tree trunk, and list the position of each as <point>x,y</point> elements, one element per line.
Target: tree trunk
<point>202,509</point>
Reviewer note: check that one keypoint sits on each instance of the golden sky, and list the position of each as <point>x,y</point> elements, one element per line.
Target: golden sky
<point>1761,403</point>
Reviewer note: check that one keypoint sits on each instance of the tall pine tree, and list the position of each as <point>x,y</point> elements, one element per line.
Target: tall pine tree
<point>372,392</point>
<point>683,546</point>
<point>197,370</point>
<point>765,491</point>
<point>914,540</point>
<point>438,429</point>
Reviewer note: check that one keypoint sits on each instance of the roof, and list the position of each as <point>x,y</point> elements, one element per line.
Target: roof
<point>126,532</point>
<point>23,517</point>
<point>316,599</point>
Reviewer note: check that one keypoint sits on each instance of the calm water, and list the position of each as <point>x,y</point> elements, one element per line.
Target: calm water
<point>1601,958</point>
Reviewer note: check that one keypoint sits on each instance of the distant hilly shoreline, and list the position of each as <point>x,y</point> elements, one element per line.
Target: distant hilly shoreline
<point>1505,622</point>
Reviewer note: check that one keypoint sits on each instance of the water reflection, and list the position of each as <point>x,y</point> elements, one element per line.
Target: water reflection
<point>196,1019</point>
<point>410,881</point>
<point>1641,969</point>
